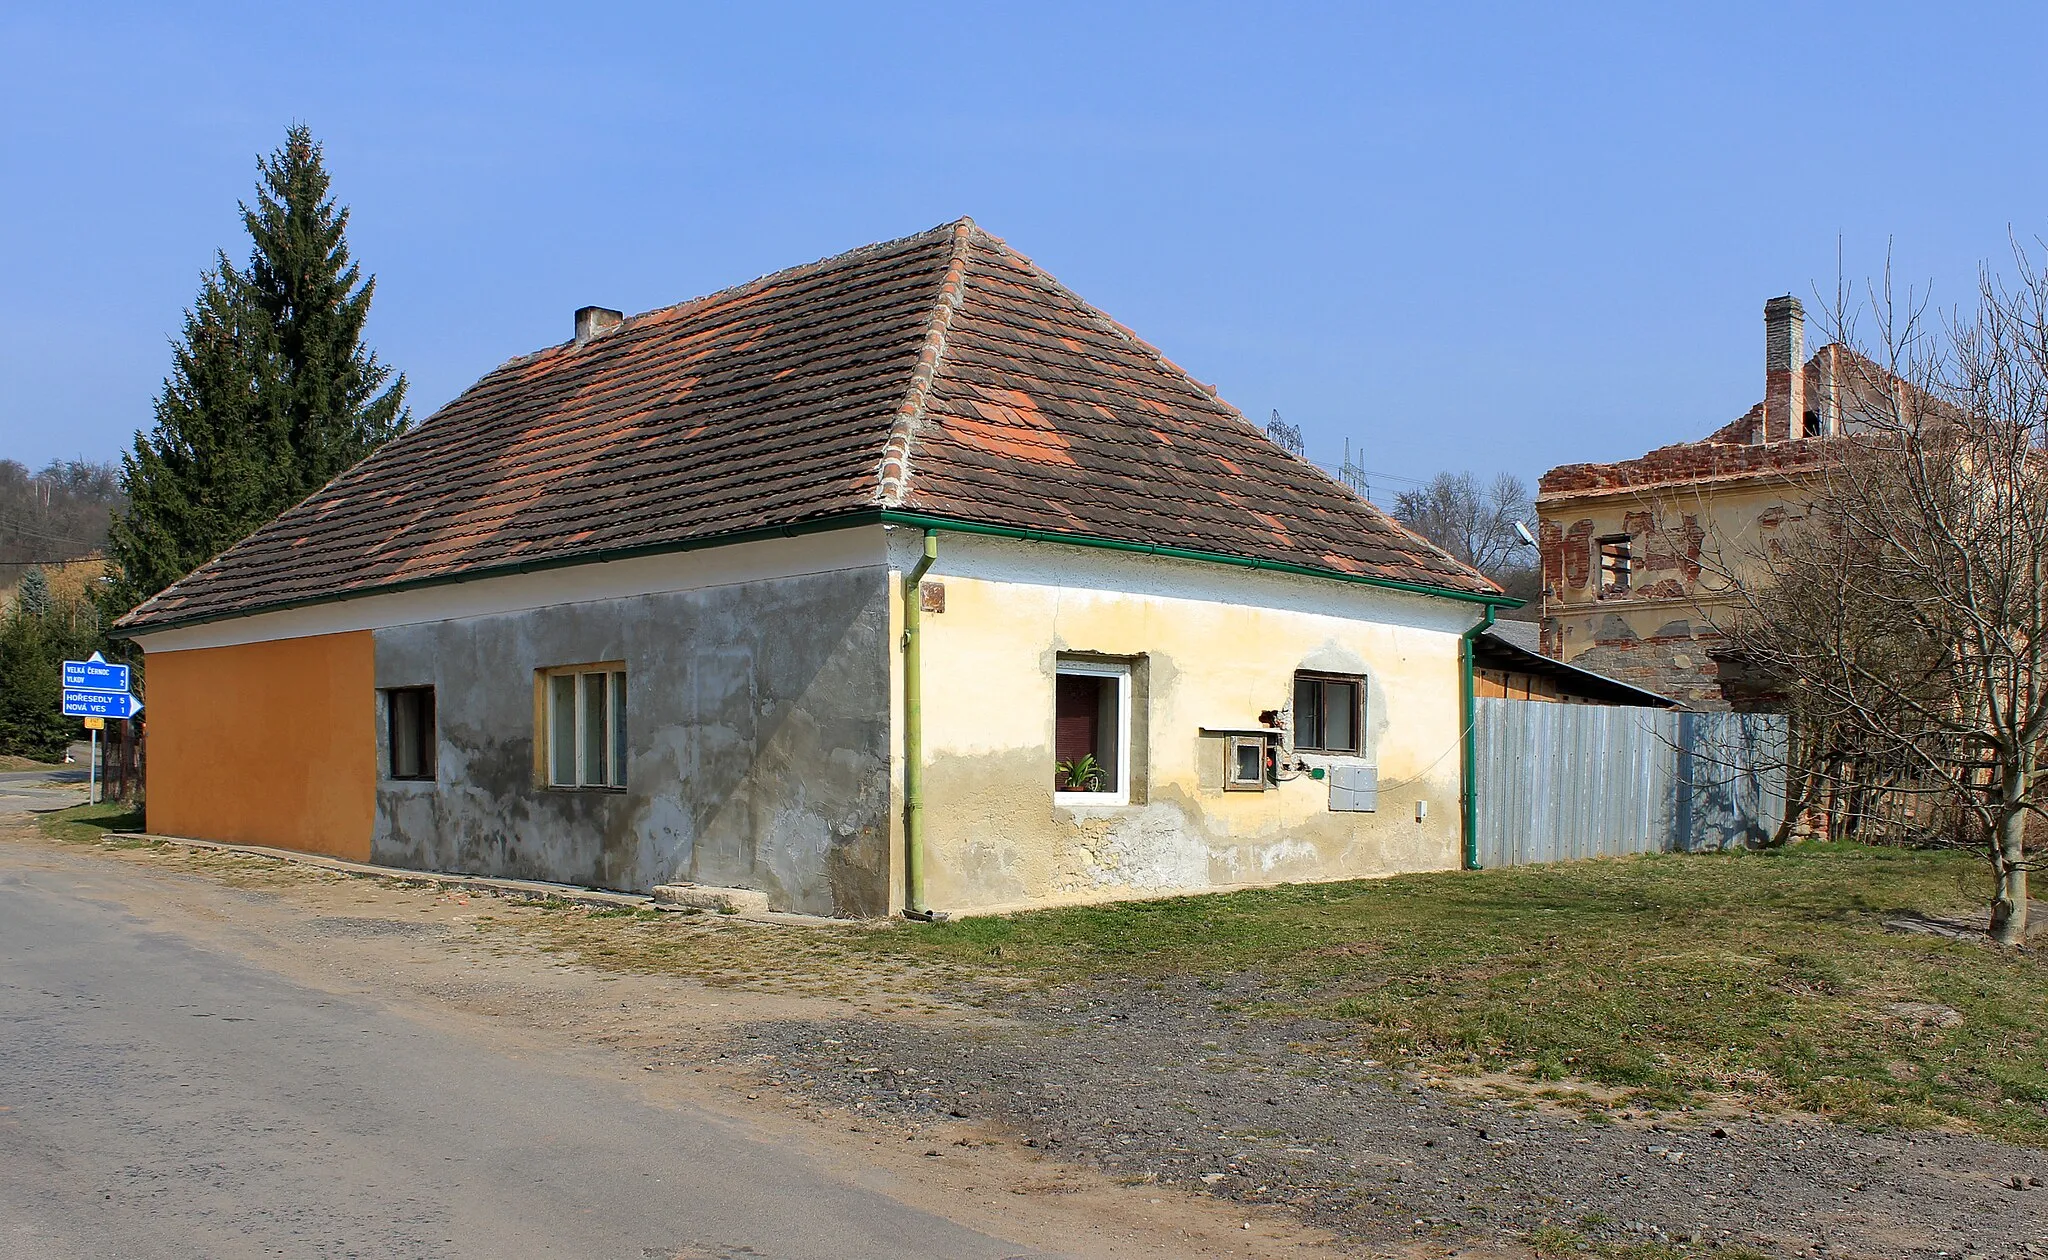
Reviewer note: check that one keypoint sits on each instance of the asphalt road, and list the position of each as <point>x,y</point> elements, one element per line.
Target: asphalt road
<point>33,791</point>
<point>56,774</point>
<point>162,1098</point>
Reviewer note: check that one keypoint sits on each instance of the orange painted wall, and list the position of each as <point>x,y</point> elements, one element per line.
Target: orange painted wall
<point>267,743</point>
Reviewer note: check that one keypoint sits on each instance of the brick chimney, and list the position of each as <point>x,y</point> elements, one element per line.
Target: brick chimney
<point>1784,369</point>
<point>592,320</point>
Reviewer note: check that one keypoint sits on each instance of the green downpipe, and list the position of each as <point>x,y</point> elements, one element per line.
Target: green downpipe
<point>913,734</point>
<point>1468,710</point>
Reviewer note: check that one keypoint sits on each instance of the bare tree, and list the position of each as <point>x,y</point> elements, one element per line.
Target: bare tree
<point>1475,524</point>
<point>59,513</point>
<point>1906,617</point>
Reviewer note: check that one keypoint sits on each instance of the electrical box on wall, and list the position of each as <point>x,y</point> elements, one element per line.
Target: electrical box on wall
<point>1354,789</point>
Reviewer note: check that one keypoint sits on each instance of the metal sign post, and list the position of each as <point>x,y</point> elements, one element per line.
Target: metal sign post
<point>96,691</point>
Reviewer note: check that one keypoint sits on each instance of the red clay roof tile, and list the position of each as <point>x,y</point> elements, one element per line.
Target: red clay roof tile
<point>941,374</point>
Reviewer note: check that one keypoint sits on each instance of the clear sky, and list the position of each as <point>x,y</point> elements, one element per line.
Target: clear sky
<point>1458,237</point>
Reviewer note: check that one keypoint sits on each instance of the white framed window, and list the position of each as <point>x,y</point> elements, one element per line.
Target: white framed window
<point>1092,733</point>
<point>583,723</point>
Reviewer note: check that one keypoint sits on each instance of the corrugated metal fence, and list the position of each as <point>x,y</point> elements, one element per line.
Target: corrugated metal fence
<point>1562,781</point>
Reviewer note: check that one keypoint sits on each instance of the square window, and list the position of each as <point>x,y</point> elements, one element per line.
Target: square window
<point>1329,713</point>
<point>1092,731</point>
<point>409,714</point>
<point>584,727</point>
<point>1247,764</point>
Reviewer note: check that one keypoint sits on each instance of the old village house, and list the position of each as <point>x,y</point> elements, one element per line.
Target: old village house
<point>904,579</point>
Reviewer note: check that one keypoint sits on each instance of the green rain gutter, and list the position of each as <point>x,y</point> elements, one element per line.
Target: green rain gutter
<point>916,521</point>
<point>914,906</point>
<point>1468,745</point>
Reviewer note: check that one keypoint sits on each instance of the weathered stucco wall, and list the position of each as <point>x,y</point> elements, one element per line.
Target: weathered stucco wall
<point>757,729</point>
<point>1685,542</point>
<point>1215,647</point>
<point>265,743</point>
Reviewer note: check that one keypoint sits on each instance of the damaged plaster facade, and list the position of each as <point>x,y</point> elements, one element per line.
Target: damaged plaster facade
<point>1212,649</point>
<point>757,757</point>
<point>765,734</point>
<point>758,724</point>
<point>1640,557</point>
<point>1690,520</point>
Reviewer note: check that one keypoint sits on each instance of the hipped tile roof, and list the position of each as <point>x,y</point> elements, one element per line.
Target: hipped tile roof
<point>942,374</point>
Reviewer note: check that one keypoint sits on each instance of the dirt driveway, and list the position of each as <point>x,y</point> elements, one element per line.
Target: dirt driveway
<point>1142,1117</point>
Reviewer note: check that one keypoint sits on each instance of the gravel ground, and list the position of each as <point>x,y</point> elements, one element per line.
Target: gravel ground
<point>1154,1084</point>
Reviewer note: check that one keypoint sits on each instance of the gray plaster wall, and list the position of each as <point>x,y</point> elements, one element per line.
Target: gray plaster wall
<point>757,729</point>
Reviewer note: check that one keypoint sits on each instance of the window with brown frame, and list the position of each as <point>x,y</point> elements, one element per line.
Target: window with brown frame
<point>1329,713</point>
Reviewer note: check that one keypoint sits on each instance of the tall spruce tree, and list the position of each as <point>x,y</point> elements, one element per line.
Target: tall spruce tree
<point>271,392</point>
<point>32,597</point>
<point>331,393</point>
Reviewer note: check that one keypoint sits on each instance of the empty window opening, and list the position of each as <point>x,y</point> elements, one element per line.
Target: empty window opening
<point>1247,764</point>
<point>1329,713</point>
<point>586,728</point>
<point>1614,562</point>
<point>409,712</point>
<point>1092,731</point>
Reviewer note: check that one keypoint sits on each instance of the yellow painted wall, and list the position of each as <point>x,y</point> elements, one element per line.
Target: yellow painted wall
<point>267,743</point>
<point>997,836</point>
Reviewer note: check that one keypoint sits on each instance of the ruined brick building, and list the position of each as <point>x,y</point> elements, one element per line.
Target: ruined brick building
<point>1637,555</point>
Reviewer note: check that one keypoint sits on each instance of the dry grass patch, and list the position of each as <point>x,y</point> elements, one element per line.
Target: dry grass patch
<point>1753,980</point>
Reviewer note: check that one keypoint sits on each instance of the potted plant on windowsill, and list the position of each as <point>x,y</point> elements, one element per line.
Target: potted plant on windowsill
<point>1082,774</point>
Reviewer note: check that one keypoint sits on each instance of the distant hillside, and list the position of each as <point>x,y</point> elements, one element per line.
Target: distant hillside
<point>59,514</point>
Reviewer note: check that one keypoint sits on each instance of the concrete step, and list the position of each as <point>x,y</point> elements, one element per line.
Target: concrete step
<point>746,901</point>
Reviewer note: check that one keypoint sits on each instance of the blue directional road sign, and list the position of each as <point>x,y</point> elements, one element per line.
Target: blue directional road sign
<point>101,704</point>
<point>94,674</point>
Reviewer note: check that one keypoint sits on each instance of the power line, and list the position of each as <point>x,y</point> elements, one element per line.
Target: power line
<point>11,527</point>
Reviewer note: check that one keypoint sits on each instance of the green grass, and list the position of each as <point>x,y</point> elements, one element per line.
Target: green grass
<point>83,824</point>
<point>1753,980</point>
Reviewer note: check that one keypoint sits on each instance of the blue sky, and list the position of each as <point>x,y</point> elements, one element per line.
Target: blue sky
<point>1459,237</point>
